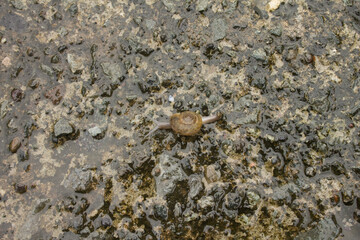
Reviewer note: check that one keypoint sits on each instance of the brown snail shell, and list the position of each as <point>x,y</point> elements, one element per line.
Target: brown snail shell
<point>186,123</point>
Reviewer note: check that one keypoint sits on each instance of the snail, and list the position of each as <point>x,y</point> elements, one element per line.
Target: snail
<point>186,123</point>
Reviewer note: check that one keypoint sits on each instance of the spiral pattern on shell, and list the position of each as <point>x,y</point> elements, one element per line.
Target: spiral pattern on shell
<point>186,123</point>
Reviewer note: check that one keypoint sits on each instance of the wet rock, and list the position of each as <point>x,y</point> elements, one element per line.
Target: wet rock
<point>55,59</point>
<point>284,192</point>
<point>210,50</point>
<point>232,200</point>
<point>195,185</point>
<point>55,94</point>
<point>277,31</point>
<point>4,109</point>
<point>259,54</point>
<point>145,51</point>
<point>206,202</point>
<point>348,197</point>
<point>73,10</point>
<point>81,180</point>
<point>114,71</point>
<point>76,63</point>
<point>190,216</point>
<point>177,210</point>
<point>167,173</point>
<point>170,5</point>
<point>218,28</point>
<point>18,4</point>
<point>150,24</point>
<point>160,211</point>
<point>319,101</point>
<point>77,223</point>
<point>211,174</point>
<point>14,144</point>
<point>46,69</point>
<point>17,94</point>
<point>96,132</point>
<point>40,205</point>
<point>62,128</point>
<point>356,215</point>
<point>326,229</point>
<point>201,5</point>
<point>34,83</point>
<point>29,127</point>
<point>127,235</point>
<point>273,5</point>
<point>80,206</point>
<point>151,84</point>
<point>310,171</point>
<point>307,58</point>
<point>20,188</point>
<point>252,200</point>
<point>106,221</point>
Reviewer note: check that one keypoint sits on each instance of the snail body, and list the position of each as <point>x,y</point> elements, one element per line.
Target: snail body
<point>186,123</point>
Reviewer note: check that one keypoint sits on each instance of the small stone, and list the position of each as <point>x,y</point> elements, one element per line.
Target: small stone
<point>106,221</point>
<point>62,128</point>
<point>195,185</point>
<point>76,63</point>
<point>259,54</point>
<point>211,174</point>
<point>115,72</point>
<point>273,5</point>
<point>96,132</point>
<point>324,229</point>
<point>62,48</point>
<point>6,61</point>
<point>40,204</point>
<point>46,69</point>
<point>55,59</point>
<point>14,145</point>
<point>253,199</point>
<point>277,31</point>
<point>4,109</point>
<point>81,180</point>
<point>170,173</point>
<point>308,58</point>
<point>17,94</point>
<point>150,84</point>
<point>73,10</point>
<point>34,83</point>
<point>202,5</point>
<point>218,28</point>
<point>310,171</point>
<point>150,24</point>
<point>18,4</point>
<point>20,188</point>
<point>206,202</point>
<point>58,16</point>
<point>232,201</point>
<point>160,211</point>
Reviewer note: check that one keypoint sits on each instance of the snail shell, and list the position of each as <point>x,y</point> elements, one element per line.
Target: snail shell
<point>186,123</point>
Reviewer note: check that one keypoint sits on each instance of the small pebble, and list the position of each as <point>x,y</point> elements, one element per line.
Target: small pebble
<point>14,145</point>
<point>106,221</point>
<point>17,94</point>
<point>20,188</point>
